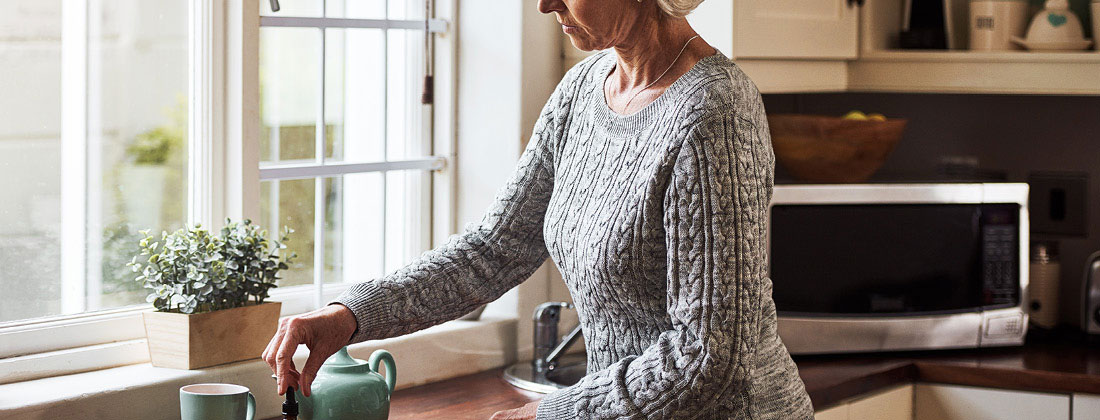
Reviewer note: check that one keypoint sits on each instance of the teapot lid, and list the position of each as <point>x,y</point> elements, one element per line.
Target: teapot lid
<point>343,362</point>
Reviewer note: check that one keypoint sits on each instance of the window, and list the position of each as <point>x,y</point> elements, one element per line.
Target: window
<point>93,147</point>
<point>345,141</point>
<point>123,115</point>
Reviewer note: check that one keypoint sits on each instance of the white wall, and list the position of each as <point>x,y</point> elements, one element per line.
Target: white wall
<point>509,64</point>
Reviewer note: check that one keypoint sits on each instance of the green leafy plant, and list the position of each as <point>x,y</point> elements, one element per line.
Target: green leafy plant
<point>193,271</point>
<point>158,145</point>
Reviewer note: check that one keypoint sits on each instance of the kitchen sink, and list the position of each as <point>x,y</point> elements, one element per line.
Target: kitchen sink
<point>551,369</point>
<point>568,371</point>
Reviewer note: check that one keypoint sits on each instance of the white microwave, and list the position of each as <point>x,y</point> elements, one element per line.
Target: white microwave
<point>883,267</point>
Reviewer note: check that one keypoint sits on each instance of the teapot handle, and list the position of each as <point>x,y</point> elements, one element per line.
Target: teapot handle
<point>391,368</point>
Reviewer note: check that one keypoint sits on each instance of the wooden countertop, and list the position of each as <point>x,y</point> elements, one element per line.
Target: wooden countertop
<point>1050,366</point>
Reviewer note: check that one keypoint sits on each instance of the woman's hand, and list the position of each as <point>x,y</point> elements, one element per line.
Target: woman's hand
<point>324,331</point>
<point>527,412</point>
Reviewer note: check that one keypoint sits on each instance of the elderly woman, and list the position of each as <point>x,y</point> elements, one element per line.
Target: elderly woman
<point>647,180</point>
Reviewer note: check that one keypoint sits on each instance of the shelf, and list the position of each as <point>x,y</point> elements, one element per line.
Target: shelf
<point>883,68</point>
<point>1009,72</point>
<point>966,56</point>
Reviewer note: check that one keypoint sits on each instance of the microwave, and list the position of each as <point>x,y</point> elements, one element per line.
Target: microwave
<point>885,267</point>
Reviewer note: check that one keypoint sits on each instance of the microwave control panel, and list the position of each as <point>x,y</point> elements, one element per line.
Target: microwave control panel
<point>999,264</point>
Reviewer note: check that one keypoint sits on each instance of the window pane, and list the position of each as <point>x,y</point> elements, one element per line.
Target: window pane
<point>356,9</point>
<point>299,8</point>
<point>30,158</point>
<point>405,9</point>
<point>79,183</point>
<point>354,224</point>
<point>354,94</point>
<point>290,72</point>
<point>290,204</point>
<point>137,162</point>
<point>405,73</point>
<point>405,221</point>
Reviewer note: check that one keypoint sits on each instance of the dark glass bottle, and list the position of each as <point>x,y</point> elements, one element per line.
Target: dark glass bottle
<point>290,406</point>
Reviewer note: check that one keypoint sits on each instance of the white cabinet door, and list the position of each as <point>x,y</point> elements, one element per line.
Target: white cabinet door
<point>1086,407</point>
<point>796,29</point>
<point>892,404</point>
<point>955,402</point>
<point>839,412</point>
<point>782,29</point>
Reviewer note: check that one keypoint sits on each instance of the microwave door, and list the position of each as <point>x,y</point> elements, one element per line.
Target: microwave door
<point>875,259</point>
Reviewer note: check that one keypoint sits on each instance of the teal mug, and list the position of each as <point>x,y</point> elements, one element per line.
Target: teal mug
<point>216,402</point>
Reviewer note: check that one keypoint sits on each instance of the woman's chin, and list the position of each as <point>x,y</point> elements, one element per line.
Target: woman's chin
<point>580,44</point>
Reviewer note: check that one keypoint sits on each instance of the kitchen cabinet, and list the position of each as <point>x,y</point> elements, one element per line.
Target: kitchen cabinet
<point>882,67</point>
<point>785,46</point>
<point>1086,407</point>
<point>800,46</point>
<point>839,412</point>
<point>926,401</point>
<point>957,402</point>
<point>780,29</point>
<point>892,404</point>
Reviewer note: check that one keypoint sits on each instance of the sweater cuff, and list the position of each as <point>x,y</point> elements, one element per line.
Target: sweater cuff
<point>556,406</point>
<point>367,302</point>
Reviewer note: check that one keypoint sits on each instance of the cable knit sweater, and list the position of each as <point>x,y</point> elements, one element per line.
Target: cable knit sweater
<point>657,222</point>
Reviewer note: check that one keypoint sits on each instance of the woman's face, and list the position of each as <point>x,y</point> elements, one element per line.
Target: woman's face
<point>593,24</point>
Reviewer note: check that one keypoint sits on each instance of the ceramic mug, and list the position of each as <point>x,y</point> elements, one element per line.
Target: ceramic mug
<point>993,23</point>
<point>216,402</point>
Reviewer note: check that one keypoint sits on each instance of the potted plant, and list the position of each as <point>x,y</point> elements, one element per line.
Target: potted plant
<point>209,292</point>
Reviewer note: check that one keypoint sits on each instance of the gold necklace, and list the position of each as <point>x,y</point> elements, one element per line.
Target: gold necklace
<point>674,60</point>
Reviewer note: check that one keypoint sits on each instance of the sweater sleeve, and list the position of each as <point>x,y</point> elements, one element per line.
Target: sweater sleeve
<point>714,219</point>
<point>474,267</point>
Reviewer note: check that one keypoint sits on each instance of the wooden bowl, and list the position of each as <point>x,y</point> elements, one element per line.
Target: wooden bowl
<point>818,148</point>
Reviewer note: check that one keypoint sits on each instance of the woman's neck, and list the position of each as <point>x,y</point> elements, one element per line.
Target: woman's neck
<point>650,48</point>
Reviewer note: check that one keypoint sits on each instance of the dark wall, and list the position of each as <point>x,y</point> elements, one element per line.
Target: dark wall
<point>1012,134</point>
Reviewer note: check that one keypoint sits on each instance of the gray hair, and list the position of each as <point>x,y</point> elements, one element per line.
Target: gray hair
<point>678,8</point>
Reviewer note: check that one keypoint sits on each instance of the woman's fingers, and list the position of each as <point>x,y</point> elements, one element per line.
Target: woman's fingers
<point>273,345</point>
<point>324,331</point>
<point>317,357</point>
<point>284,358</point>
<point>514,414</point>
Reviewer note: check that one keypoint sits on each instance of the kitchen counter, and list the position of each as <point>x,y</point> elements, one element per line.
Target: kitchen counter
<point>1050,366</point>
<point>1061,367</point>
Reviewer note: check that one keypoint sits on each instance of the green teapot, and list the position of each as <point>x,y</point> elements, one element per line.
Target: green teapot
<point>350,389</point>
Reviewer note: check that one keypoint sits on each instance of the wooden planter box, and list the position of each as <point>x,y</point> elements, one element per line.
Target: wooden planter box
<point>183,341</point>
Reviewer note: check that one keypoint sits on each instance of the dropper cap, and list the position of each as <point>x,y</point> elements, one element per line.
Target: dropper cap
<point>290,407</point>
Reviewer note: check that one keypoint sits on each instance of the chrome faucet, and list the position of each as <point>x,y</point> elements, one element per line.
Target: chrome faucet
<point>547,347</point>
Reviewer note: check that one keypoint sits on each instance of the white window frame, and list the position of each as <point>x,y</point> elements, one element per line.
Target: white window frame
<point>223,179</point>
<point>319,168</point>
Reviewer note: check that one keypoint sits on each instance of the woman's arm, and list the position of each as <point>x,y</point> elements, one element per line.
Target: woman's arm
<point>474,267</point>
<point>715,220</point>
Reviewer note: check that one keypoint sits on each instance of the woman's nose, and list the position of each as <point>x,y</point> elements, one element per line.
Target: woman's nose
<point>549,6</point>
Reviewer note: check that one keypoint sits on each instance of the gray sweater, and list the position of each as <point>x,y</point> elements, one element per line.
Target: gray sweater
<point>657,223</point>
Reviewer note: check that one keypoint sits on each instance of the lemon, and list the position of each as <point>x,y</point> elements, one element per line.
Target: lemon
<point>855,115</point>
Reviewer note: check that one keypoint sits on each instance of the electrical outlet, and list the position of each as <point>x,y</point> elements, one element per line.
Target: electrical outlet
<point>1057,202</point>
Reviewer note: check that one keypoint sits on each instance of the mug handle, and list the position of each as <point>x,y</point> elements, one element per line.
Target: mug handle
<point>391,368</point>
<point>251,415</point>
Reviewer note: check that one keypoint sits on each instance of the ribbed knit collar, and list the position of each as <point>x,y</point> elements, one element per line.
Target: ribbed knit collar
<point>631,125</point>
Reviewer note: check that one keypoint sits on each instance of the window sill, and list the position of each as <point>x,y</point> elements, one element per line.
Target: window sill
<point>142,391</point>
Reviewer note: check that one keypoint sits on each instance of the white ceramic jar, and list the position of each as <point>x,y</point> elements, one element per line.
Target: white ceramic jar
<point>993,23</point>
